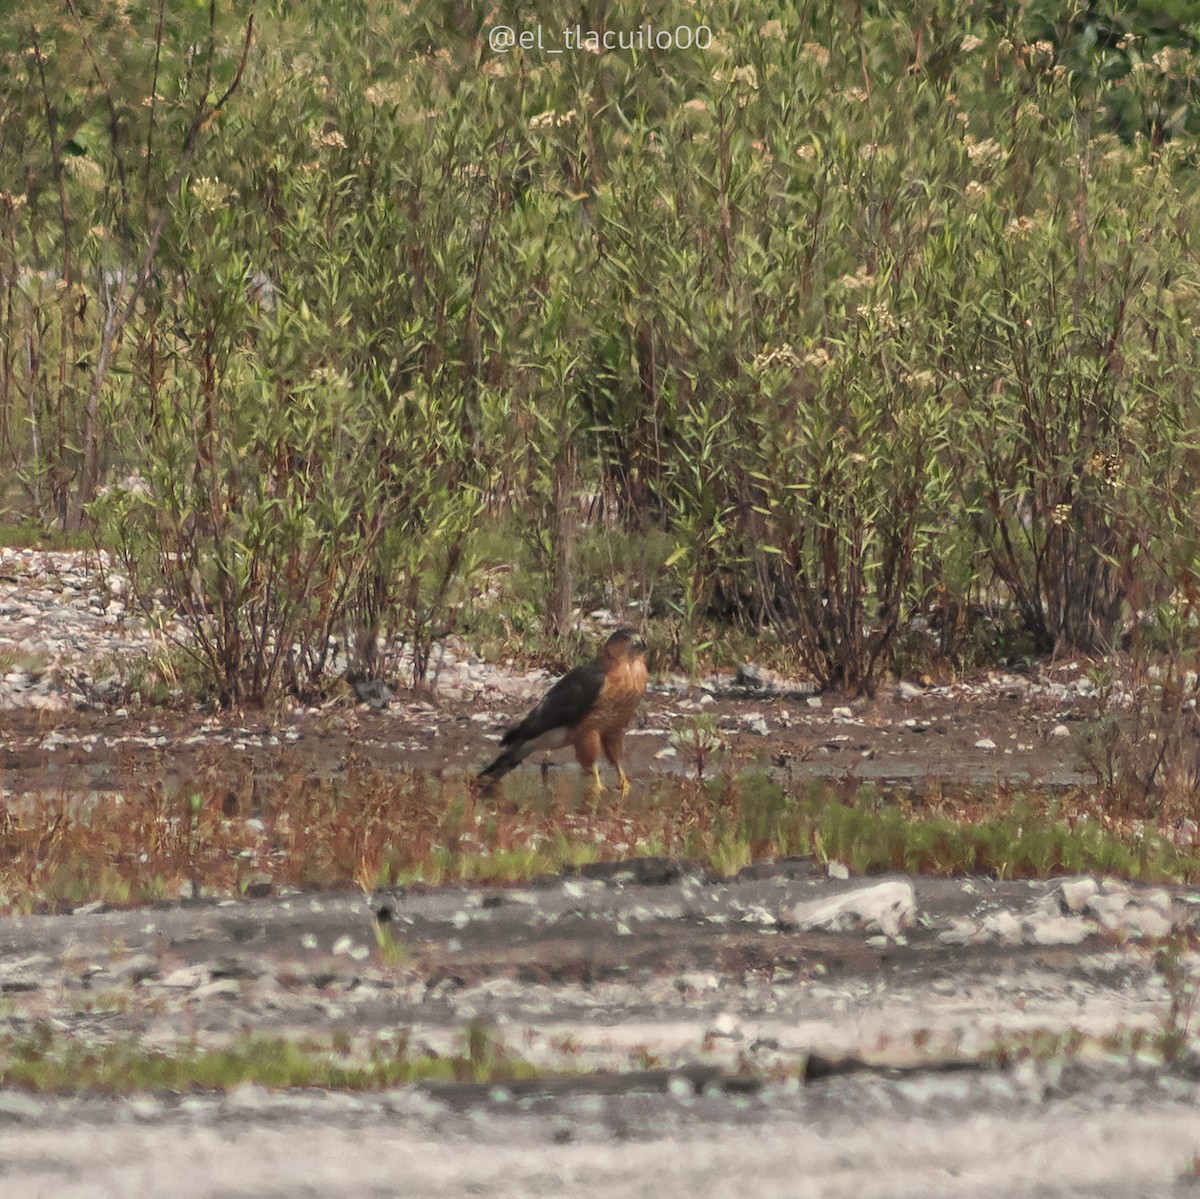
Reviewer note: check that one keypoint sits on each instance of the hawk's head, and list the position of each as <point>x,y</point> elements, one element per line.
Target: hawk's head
<point>623,646</point>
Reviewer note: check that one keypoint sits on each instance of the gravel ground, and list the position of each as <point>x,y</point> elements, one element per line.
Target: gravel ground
<point>678,997</point>
<point>924,1149</point>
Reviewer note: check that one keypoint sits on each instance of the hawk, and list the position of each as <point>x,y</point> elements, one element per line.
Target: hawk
<point>589,708</point>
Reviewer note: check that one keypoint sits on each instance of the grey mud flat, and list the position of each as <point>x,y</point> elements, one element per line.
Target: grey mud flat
<point>756,1036</point>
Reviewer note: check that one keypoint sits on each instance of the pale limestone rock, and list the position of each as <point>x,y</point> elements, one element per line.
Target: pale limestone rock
<point>886,908</point>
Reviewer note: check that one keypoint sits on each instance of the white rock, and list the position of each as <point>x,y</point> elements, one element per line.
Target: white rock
<point>1145,921</point>
<point>1141,917</point>
<point>247,1097</point>
<point>698,981</point>
<point>1060,730</point>
<point>837,869</point>
<point>186,977</point>
<point>1060,930</point>
<point>218,986</point>
<point>1076,893</point>
<point>1108,909</point>
<point>985,743</point>
<point>960,932</point>
<point>725,1025</point>
<point>1004,926</point>
<point>887,908</point>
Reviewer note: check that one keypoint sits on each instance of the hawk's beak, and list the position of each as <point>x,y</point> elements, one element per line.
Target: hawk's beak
<point>639,645</point>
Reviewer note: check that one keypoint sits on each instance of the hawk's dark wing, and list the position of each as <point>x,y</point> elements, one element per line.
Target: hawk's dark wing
<point>562,707</point>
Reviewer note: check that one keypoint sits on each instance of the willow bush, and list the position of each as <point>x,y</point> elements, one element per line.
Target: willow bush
<point>1072,370</point>
<point>102,112</point>
<point>860,312</point>
<point>308,479</point>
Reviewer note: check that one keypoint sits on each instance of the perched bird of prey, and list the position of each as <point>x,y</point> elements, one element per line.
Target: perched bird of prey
<point>589,708</point>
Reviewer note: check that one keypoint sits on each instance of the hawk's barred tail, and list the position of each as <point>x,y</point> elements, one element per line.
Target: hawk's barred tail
<point>508,760</point>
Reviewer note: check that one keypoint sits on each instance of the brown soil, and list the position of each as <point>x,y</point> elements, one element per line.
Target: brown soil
<point>99,751</point>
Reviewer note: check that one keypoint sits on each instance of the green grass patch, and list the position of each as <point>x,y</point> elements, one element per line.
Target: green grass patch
<point>371,829</point>
<point>56,1063</point>
<point>26,536</point>
<point>1002,836</point>
<point>32,663</point>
